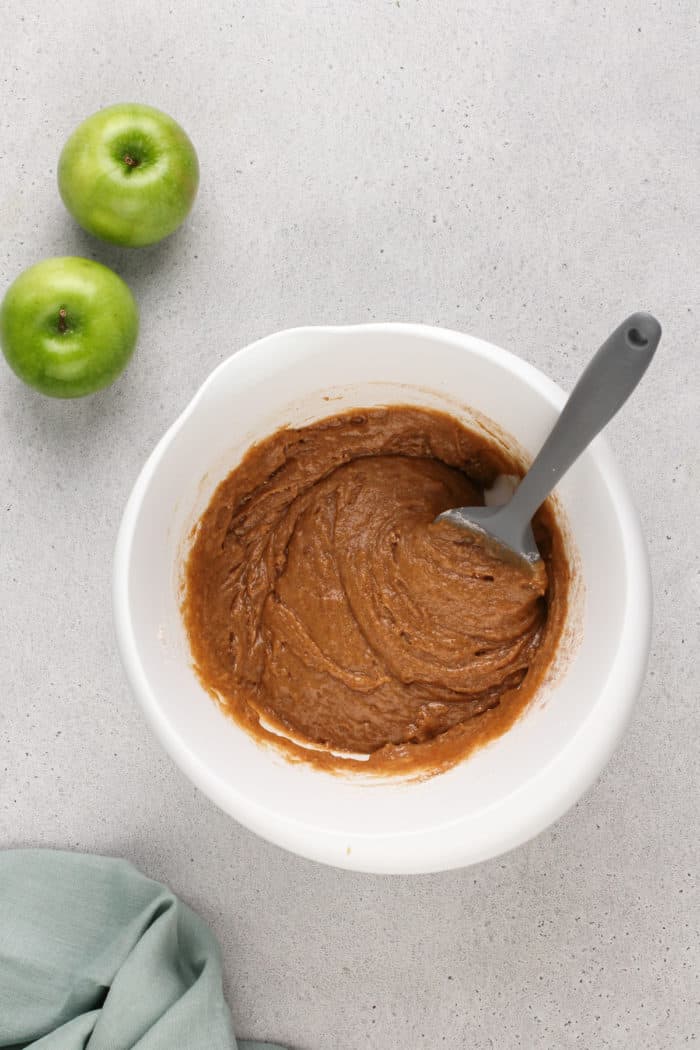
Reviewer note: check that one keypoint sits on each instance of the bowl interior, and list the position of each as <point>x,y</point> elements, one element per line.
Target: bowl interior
<point>499,796</point>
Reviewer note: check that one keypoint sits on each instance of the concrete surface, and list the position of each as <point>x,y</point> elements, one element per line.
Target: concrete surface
<point>525,172</point>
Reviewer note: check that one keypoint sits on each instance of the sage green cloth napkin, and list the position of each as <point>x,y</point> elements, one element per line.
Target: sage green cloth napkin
<point>95,956</point>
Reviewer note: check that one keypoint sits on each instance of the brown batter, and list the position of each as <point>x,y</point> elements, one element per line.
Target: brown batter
<point>320,595</point>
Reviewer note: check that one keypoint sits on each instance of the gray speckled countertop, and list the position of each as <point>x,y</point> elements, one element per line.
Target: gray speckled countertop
<point>530,178</point>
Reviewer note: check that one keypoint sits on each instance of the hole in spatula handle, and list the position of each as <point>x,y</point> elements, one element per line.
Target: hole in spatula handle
<point>637,339</point>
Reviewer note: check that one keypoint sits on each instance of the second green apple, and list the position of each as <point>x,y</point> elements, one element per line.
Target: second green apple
<point>68,326</point>
<point>129,174</point>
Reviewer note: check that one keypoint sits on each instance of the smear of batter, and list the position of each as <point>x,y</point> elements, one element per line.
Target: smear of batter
<point>321,595</point>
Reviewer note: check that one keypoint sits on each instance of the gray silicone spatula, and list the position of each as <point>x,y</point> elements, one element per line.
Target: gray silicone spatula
<point>601,391</point>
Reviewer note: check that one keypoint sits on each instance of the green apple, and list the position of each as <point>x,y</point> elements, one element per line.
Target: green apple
<point>128,174</point>
<point>68,326</point>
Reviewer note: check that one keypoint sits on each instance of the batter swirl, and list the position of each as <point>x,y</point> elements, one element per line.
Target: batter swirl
<point>321,596</point>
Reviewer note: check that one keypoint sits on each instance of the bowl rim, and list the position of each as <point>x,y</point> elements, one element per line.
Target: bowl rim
<point>533,805</point>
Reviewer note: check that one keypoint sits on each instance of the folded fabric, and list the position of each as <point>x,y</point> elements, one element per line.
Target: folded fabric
<point>95,956</point>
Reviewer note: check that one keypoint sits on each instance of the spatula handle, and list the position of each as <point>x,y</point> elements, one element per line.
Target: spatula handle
<point>601,391</point>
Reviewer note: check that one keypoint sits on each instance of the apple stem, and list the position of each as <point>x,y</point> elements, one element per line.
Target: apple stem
<point>130,161</point>
<point>62,323</point>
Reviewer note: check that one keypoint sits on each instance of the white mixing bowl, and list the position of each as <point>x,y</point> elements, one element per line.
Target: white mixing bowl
<point>506,792</point>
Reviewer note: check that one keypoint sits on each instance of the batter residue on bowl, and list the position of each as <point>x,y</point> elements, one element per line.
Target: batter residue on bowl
<point>321,597</point>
